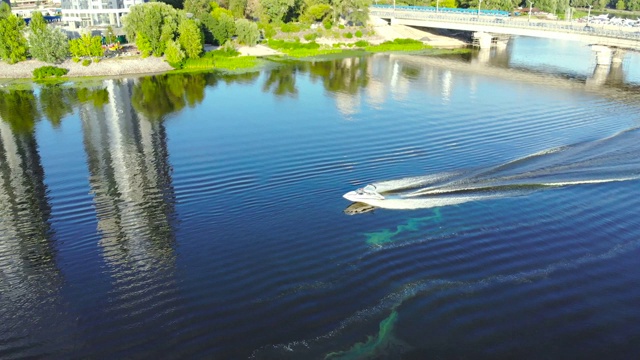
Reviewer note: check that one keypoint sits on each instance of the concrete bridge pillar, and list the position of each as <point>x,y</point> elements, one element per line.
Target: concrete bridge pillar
<point>502,43</point>
<point>604,54</point>
<point>618,56</point>
<point>482,39</point>
<point>599,76</point>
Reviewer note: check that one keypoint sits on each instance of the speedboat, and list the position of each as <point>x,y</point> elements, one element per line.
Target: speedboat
<point>364,194</point>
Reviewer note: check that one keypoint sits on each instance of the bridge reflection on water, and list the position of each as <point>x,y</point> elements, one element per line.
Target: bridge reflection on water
<point>605,81</point>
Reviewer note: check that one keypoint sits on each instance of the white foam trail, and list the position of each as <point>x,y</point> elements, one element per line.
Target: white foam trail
<point>612,159</point>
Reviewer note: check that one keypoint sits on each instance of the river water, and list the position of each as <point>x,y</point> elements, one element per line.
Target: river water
<point>201,216</point>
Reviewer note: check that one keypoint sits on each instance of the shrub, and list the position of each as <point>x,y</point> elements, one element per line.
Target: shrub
<point>358,34</point>
<point>362,43</point>
<point>348,35</point>
<point>310,36</point>
<point>405,41</point>
<point>292,45</point>
<point>86,62</point>
<point>44,72</point>
<point>327,24</point>
<point>224,51</point>
<point>341,27</point>
<point>75,59</point>
<point>290,27</point>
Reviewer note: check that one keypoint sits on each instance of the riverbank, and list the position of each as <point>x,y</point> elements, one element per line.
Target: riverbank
<point>132,64</point>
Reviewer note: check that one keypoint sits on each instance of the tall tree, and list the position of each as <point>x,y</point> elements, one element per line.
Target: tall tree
<point>633,5</point>
<point>275,10</point>
<point>247,31</point>
<point>176,4</point>
<point>13,44</point>
<point>5,10</point>
<point>45,43</point>
<point>223,26</point>
<point>197,7</point>
<point>237,8</point>
<point>156,22</point>
<point>190,38</point>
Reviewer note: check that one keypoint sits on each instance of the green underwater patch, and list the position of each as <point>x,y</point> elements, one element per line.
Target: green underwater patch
<point>375,346</point>
<point>386,236</point>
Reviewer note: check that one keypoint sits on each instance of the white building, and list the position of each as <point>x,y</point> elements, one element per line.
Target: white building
<point>96,12</point>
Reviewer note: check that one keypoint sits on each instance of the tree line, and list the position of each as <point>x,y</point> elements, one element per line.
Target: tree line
<point>551,6</point>
<point>174,28</point>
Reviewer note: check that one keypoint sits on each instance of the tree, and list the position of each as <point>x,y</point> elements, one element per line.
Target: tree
<point>356,11</point>
<point>5,10</point>
<point>237,7</point>
<point>37,23</point>
<point>620,5</point>
<point>157,22</point>
<point>275,10</point>
<point>86,46</point>
<point>51,46</point>
<point>247,31</point>
<point>47,44</point>
<point>253,9</point>
<point>223,26</point>
<point>447,4</point>
<point>176,4</point>
<point>316,12</point>
<point>13,45</point>
<point>190,38</point>
<point>633,5</point>
<point>506,5</point>
<point>110,37</point>
<point>197,7</point>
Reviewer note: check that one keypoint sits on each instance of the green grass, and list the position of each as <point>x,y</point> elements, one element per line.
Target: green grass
<point>398,45</point>
<point>300,50</point>
<point>220,62</point>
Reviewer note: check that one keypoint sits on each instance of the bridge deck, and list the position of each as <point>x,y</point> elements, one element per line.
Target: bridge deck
<point>621,37</point>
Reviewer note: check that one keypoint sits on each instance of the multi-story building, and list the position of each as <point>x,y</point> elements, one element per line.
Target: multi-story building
<point>96,12</point>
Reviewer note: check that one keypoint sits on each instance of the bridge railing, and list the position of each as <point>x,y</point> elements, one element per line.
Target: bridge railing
<point>500,21</point>
<point>444,10</point>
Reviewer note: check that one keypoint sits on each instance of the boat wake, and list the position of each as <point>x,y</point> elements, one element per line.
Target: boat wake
<point>612,159</point>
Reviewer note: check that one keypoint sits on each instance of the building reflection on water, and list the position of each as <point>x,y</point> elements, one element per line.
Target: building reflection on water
<point>29,276</point>
<point>130,178</point>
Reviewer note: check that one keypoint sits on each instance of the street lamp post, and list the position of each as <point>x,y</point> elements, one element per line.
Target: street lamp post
<point>437,5</point>
<point>479,5</point>
<point>530,9</point>
<point>589,15</point>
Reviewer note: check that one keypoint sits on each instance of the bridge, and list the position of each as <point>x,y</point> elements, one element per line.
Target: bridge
<point>492,27</point>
